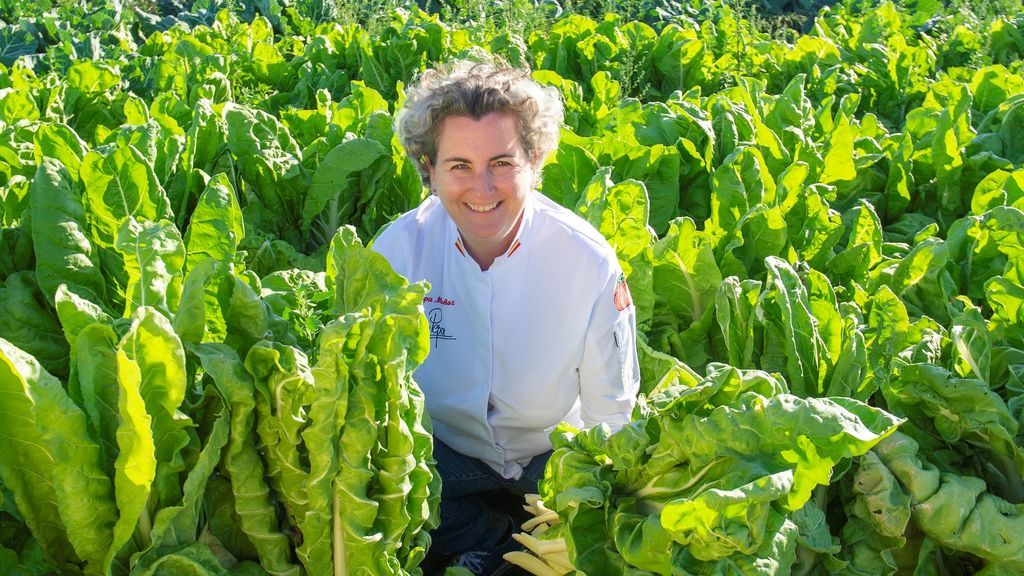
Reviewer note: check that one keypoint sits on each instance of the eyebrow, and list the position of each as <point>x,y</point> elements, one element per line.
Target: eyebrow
<point>459,159</point>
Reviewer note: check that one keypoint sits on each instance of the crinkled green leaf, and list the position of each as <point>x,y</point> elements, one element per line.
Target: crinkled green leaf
<point>119,185</point>
<point>735,311</point>
<point>863,249</point>
<point>838,165</point>
<point>52,465</point>
<point>223,527</point>
<point>738,186</point>
<point>887,333</point>
<point>719,523</point>
<point>216,226</point>
<point>992,85</point>
<point>158,143</point>
<point>956,409</point>
<point>284,389</point>
<point>89,77</point>
<point>327,415</point>
<point>154,258</point>
<point>253,497</point>
<point>567,175</point>
<point>267,156</point>
<point>815,537</point>
<point>153,346</point>
<point>921,279</point>
<point>878,498</point>
<point>792,344</point>
<point>658,167</point>
<point>96,365</point>
<point>999,188</point>
<point>760,233</point>
<point>191,560</point>
<point>866,552</point>
<point>17,105</point>
<point>15,41</point>
<point>136,464</point>
<point>973,344</point>
<point>64,254</point>
<point>1007,301</point>
<point>721,465</point>
<point>59,142</point>
<point>331,188</point>
<point>685,280</point>
<point>640,538</point>
<point>361,278</point>
<point>27,321</point>
<point>364,547</point>
<point>957,511</point>
<point>179,525</point>
<point>814,229</point>
<point>404,473</point>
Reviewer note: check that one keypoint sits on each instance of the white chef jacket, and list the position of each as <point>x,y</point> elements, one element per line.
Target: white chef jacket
<point>536,339</point>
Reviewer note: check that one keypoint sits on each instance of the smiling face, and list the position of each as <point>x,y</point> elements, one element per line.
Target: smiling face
<point>483,177</point>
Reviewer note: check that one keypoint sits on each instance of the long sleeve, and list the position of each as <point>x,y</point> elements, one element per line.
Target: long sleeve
<point>610,371</point>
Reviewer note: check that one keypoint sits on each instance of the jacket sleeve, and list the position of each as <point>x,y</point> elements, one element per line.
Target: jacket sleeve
<point>610,371</point>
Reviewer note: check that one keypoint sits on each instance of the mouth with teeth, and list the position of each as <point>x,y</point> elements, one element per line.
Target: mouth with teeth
<point>482,207</point>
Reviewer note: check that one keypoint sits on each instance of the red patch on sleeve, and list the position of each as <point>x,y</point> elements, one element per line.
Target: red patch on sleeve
<point>622,298</point>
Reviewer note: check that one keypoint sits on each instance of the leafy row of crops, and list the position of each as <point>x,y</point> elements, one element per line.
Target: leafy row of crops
<point>223,376</point>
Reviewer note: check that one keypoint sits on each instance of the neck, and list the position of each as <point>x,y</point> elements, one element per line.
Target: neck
<point>485,253</point>
<point>483,259</point>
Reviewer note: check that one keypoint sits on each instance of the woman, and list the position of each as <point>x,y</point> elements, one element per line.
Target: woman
<point>530,318</point>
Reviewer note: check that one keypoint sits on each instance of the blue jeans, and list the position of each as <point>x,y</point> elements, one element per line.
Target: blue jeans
<point>471,517</point>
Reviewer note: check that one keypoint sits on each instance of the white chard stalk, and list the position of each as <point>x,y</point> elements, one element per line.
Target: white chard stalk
<point>542,556</point>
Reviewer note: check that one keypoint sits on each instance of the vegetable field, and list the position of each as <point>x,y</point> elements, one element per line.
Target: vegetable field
<point>203,370</point>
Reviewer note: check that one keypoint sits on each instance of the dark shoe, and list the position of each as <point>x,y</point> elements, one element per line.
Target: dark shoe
<point>490,562</point>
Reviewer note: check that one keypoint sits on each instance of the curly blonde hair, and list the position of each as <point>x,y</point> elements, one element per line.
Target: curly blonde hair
<point>474,90</point>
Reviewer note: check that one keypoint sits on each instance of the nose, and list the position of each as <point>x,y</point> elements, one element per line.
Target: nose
<point>486,182</point>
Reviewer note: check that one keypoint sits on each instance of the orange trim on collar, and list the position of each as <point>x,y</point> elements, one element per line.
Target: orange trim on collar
<point>515,247</point>
<point>459,247</point>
